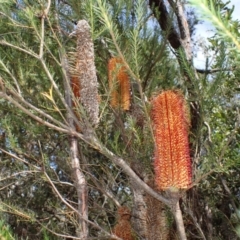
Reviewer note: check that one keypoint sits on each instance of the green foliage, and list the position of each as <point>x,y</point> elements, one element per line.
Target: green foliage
<point>5,232</point>
<point>212,11</point>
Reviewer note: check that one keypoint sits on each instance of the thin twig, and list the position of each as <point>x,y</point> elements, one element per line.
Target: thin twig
<point>210,71</point>
<point>16,174</point>
<point>224,183</point>
<point>42,37</point>
<point>29,52</point>
<point>18,158</point>
<point>189,211</point>
<point>12,76</point>
<point>32,115</point>
<point>76,211</point>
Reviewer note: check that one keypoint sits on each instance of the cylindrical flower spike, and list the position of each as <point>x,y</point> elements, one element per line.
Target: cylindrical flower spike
<point>83,77</point>
<point>119,84</point>
<point>86,71</point>
<point>171,122</point>
<point>123,227</point>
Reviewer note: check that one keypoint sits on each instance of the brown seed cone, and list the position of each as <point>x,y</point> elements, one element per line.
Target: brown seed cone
<point>86,71</point>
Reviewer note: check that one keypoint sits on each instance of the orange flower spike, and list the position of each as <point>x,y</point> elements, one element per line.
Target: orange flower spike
<point>172,156</point>
<point>125,88</point>
<point>119,84</point>
<point>123,227</point>
<point>112,81</point>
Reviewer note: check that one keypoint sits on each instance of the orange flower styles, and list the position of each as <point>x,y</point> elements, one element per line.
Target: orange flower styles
<point>171,122</point>
<point>123,227</point>
<point>75,85</point>
<point>119,84</point>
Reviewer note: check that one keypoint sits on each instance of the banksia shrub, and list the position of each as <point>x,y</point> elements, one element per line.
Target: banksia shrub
<point>119,84</point>
<point>86,72</point>
<point>172,162</point>
<point>123,227</point>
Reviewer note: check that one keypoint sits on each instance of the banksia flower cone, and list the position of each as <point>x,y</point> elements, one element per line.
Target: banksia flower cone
<point>119,84</point>
<point>86,72</point>
<point>171,122</point>
<point>123,228</point>
<point>83,75</point>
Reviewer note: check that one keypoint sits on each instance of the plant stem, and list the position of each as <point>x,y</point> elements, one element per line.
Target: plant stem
<point>179,221</point>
